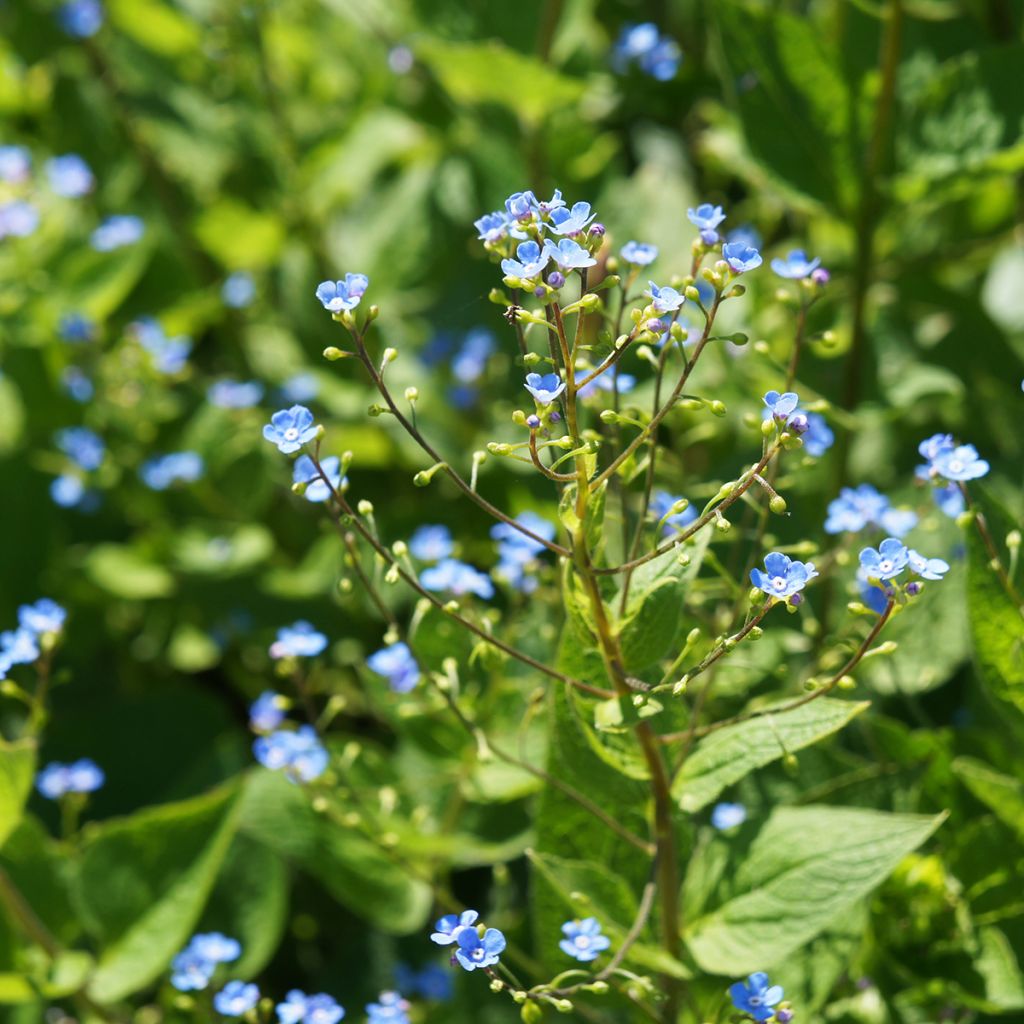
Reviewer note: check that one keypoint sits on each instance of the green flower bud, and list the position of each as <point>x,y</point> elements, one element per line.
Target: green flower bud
<point>498,297</point>
<point>390,355</point>
<point>717,407</point>
<point>365,508</point>
<point>333,353</point>
<point>531,1013</point>
<point>412,394</point>
<point>778,504</point>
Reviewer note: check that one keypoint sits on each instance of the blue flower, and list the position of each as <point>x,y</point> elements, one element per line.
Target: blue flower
<point>932,446</point>
<point>163,471</point>
<point>656,55</point>
<point>19,646</point>
<point>433,982</point>
<point>725,816</point>
<point>18,219</point>
<point>469,363</point>
<point>781,406</point>
<point>569,255</point>
<point>477,950</point>
<point>661,502</point>
<point>45,616</point>
<point>873,595</point>
<point>614,381</point>
<point>887,562</point>
<point>116,232</point>
<point>300,640</point>
<point>492,227</point>
<point>927,568</point>
<point>76,384</point>
<point>640,254</point>
<point>81,18</point>
<point>235,394</point>
<point>337,296</point>
<point>236,998</point>
<point>290,429</point>
<point>70,176</point>
<point>396,664</point>
<point>448,928</point>
<point>756,997</point>
<point>745,234</point>
<point>782,576</point>
<point>215,947</point>
<point>238,290</point>
<point>459,578</point>
<point>857,507</point>
<point>950,500</point>
<point>960,463</point>
<point>298,753</point>
<point>522,205</point>
<point>81,776</point>
<point>662,61</point>
<point>570,222</point>
<point>532,260</point>
<point>15,164</point>
<point>796,265</point>
<point>431,543</point>
<point>304,471</point>
<point>664,300</point>
<point>298,1008</point>
<point>545,388</point>
<point>741,257</point>
<point>169,354</point>
<point>390,1008</point>
<point>76,327</point>
<point>510,538</point>
<point>818,436</point>
<point>83,446</point>
<point>706,217</point>
<point>897,521</point>
<point>583,939</point>
<point>302,387</point>
<point>267,711</point>
<point>191,972</point>
<point>68,491</point>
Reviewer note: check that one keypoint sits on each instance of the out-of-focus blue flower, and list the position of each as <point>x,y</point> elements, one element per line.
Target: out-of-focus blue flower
<point>83,446</point>
<point>818,436</point>
<point>516,550</point>
<point>492,227</point>
<point>164,471</point>
<point>564,221</point>
<point>746,234</point>
<point>75,327</point>
<point>390,1008</point>
<point>338,296</point>
<point>299,640</point>
<point>448,928</point>
<point>661,502</point>
<point>725,816</point>
<point>662,61</point>
<point>267,711</point>
<point>298,1008</point>
<point>305,472</point>
<point>169,354</point>
<point>290,429</point>
<point>610,382</point>
<point>740,257</point>
<point>400,60</point>
<point>781,406</point>
<point>236,998</point>
<point>583,940</point>
<point>68,491</point>
<point>756,996</point>
<point>522,205</point>
<point>19,646</point>
<point>303,387</point>
<point>216,947</point>
<point>857,507</point>
<point>70,176</point>
<point>960,463</point>
<point>887,562</point>
<point>782,576</point>
<point>568,254</point>
<point>795,266</point>
<point>45,616</point>
<point>81,18</point>
<point>926,568</point>
<point>478,951</point>
<point>397,665</point>
<point>656,55</point>
<point>235,394</point>
<point>706,217</point>
<point>950,500</point>
<point>530,261</point>
<point>81,776</point>
<point>640,254</point>
<point>298,753</point>
<point>77,385</point>
<point>116,232</point>
<point>545,388</point>
<point>15,164</point>
<point>930,448</point>
<point>458,578</point>
<point>190,972</point>
<point>873,595</point>
<point>432,982</point>
<point>897,521</point>
<point>470,361</point>
<point>431,543</point>
<point>664,300</point>
<point>18,219</point>
<point>238,290</point>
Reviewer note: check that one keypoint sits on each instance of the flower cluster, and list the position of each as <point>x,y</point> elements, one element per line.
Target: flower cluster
<point>477,947</point>
<point>193,968</point>
<point>397,665</point>
<point>161,472</point>
<point>299,1008</point>
<point>296,752</point>
<point>880,567</point>
<point>457,578</point>
<point>390,1008</point>
<point>81,776</point>
<point>518,553</point>
<point>38,626</point>
<point>645,47</point>
<point>863,506</point>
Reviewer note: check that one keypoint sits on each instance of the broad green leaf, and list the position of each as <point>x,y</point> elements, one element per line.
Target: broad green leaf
<point>997,964</point>
<point>97,283</point>
<point>238,236</point>
<point>806,866</point>
<point>144,881</point>
<point>156,26</point>
<point>17,769</point>
<point>726,756</point>
<point>125,572</point>
<point>1002,793</point>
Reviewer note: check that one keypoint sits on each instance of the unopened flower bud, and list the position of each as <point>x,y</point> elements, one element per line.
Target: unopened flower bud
<point>820,276</point>
<point>798,424</point>
<point>796,600</point>
<point>498,297</point>
<point>691,293</point>
<point>717,407</point>
<point>412,394</point>
<point>914,588</point>
<point>846,683</point>
<point>333,353</point>
<point>655,326</point>
<point>563,1006</point>
<point>556,279</point>
<point>778,506</point>
<point>736,291</point>
<point>709,237</point>
<point>400,549</point>
<point>372,313</point>
<point>533,421</point>
<point>540,291</point>
<point>555,417</point>
<point>390,355</point>
<point>597,230</point>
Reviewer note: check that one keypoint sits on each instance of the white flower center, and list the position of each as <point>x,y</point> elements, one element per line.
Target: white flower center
<point>778,583</point>
<point>582,942</point>
<point>885,565</point>
<point>291,434</point>
<point>478,954</point>
<point>956,465</point>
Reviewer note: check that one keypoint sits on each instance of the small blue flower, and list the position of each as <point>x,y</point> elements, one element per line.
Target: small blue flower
<point>818,436</point>
<point>77,385</point>
<point>897,521</point>
<point>741,257</point>
<point>660,505</point>
<point>887,562</point>
<point>68,491</point>
<point>76,327</point>
<point>756,997</point>
<point>302,387</point>
<point>855,508</point>
<point>478,951</point>
<point>234,394</point>
<point>236,998</point>
<point>611,382</point>
<point>457,577</point>
<point>81,18</point>
<point>781,406</point>
<point>516,544</point>
<point>191,972</point>
<point>532,260</point>
<point>433,982</point>
<point>304,471</point>
<point>950,500</point>
<point>522,205</point>
<point>570,222</point>
<point>664,300</point>
<point>338,296</point>
<point>569,255</point>
<point>431,543</point>
<point>725,816</point>
<point>290,429</point>
<point>19,646</point>
<point>116,232</point>
<point>70,176</point>
<point>662,61</point>
<point>298,1008</point>
<point>298,753</point>
<point>300,640</point>
<point>640,254</point>
<point>706,217</point>
<point>238,290</point>
<point>469,363</point>
<point>82,776</point>
<point>873,595</point>
<point>492,227</point>
<point>927,568</point>
<point>782,576</point>
<point>169,354</point>
<point>390,1008</point>
<point>932,446</point>
<point>656,55</point>
<point>18,219</point>
<point>267,711</point>
<point>795,266</point>
<point>396,664</point>
<point>45,616</point>
<point>15,164</point>
<point>83,446</point>
<point>163,471</point>
<point>583,939</point>
<point>960,463</point>
<point>746,234</point>
<point>215,947</point>
<point>545,388</point>
<point>448,928</point>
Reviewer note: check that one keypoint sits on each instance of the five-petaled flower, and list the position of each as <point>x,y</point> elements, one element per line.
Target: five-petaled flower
<point>795,266</point>
<point>532,260</point>
<point>545,388</point>
<point>926,568</point>
<point>664,300</point>
<point>706,217</point>
<point>448,928</point>
<point>397,665</point>
<point>640,254</point>
<point>741,257</point>
<point>782,576</point>
<point>563,221</point>
<point>756,996</point>
<point>887,562</point>
<point>476,950</point>
<point>568,254</point>
<point>236,998</point>
<point>960,463</point>
<point>290,429</point>
<point>342,296</point>
<point>583,939</point>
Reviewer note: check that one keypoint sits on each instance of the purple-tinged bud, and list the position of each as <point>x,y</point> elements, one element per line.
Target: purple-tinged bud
<point>656,326</point>
<point>914,588</point>
<point>555,279</point>
<point>820,276</point>
<point>533,421</point>
<point>539,291</point>
<point>797,424</point>
<point>555,417</point>
<point>796,600</point>
<point>783,1016</point>
<point>709,237</point>
<point>597,230</point>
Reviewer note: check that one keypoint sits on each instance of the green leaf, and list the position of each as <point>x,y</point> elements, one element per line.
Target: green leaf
<point>997,964</point>
<point>126,572</point>
<point>805,867</point>
<point>731,753</point>
<point>156,26</point>
<point>144,881</point>
<point>17,769</point>
<point>1002,793</point>
<point>238,236</point>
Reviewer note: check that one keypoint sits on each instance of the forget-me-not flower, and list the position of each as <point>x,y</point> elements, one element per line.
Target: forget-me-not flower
<point>664,300</point>
<point>479,951</point>
<point>706,217</point>
<point>290,429</point>
<point>756,996</point>
<point>81,776</point>
<point>960,463</point>
<point>238,290</point>
<point>568,254</point>
<point>457,577</point>
<point>396,664</point>
<point>563,221</point>
<point>236,998</point>
<point>725,816</point>
<point>299,640</point>
<point>83,446</point>
<point>70,176</point>
<point>390,1008</point>
<point>545,388</point>
<point>298,1008</point>
<point>304,471</point>
<point>76,384</point>
<point>338,296</point>
<point>818,436</point>
<point>116,232</point>
<point>298,753</point>
<point>740,257</point>
<point>887,562</point>
<point>45,616</point>
<point>76,327</point>
<point>782,576</point>
<point>234,394</point>
<point>861,506</point>
<point>448,928</point>
<point>81,18</point>
<point>783,405</point>
<point>492,227</point>
<point>531,260</point>
<point>15,164</point>
<point>795,266</point>
<point>163,471</point>
<point>18,219</point>
<point>267,711</point>
<point>583,939</point>
<point>661,503</point>
<point>949,499</point>
<point>640,254</point>
<point>926,568</point>
<point>431,542</point>
<point>19,646</point>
